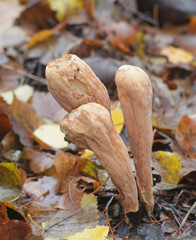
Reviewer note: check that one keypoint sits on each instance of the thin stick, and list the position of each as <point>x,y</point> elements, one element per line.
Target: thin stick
<point>35,199</point>
<point>119,223</point>
<point>187,215</point>
<point>29,216</point>
<point>96,190</point>
<point>106,212</point>
<point>26,74</point>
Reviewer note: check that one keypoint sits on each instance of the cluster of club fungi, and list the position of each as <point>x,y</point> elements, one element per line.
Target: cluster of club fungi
<point>89,125</point>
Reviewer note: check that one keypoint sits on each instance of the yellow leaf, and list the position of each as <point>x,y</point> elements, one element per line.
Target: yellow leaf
<point>117,119</point>
<point>97,233</point>
<point>39,37</point>
<point>51,135</point>
<point>177,55</point>
<point>87,153</point>
<point>168,165</point>
<point>10,182</point>
<point>64,7</point>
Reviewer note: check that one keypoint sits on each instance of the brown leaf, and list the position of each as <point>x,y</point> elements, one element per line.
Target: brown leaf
<point>16,126</point>
<point>10,142</point>
<point>73,192</point>
<point>64,164</point>
<point>186,134</point>
<point>39,161</point>
<point>15,230</point>
<point>25,115</point>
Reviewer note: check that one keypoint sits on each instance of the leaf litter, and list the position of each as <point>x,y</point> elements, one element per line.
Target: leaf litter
<point>56,197</point>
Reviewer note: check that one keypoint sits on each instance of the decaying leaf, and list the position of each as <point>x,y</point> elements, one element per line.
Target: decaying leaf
<point>97,233</point>
<point>25,115</point>
<point>186,134</point>
<point>168,165</point>
<point>61,223</point>
<point>11,182</point>
<point>39,161</point>
<point>73,192</point>
<point>64,164</point>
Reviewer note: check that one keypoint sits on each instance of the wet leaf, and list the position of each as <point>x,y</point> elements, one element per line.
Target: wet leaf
<point>168,165</point>
<point>51,135</point>
<point>177,55</point>
<point>10,182</point>
<point>118,119</point>
<point>97,233</point>
<point>186,134</point>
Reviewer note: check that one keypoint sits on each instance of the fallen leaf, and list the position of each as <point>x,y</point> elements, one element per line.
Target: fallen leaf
<point>186,134</point>
<point>8,211</point>
<point>51,135</point>
<point>87,167</point>
<point>65,7</point>
<point>177,55</point>
<point>23,93</point>
<point>10,142</point>
<point>59,224</point>
<point>97,233</point>
<point>118,119</point>
<point>192,24</point>
<point>64,164</point>
<point>87,153</point>
<point>168,165</point>
<point>10,182</point>
<point>46,107</point>
<point>39,161</point>
<point>39,37</point>
<point>73,192</point>
<point>14,229</point>
<point>38,187</point>
<point>25,115</point>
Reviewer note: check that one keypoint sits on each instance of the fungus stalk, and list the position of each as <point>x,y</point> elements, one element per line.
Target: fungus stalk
<point>90,126</point>
<point>135,95</point>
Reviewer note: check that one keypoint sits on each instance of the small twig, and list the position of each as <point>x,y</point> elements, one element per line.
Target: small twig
<point>35,199</point>
<point>26,74</point>
<point>187,215</point>
<point>107,216</point>
<point>119,223</point>
<point>29,216</point>
<point>96,190</point>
